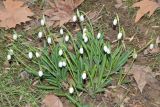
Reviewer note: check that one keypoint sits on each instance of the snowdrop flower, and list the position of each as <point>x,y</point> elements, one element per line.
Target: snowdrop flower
<point>81,51</point>
<point>84,30</point>
<point>64,63</point>
<point>60,52</point>
<point>81,18</point>
<point>40,73</point>
<point>60,64</point>
<point>151,46</point>
<point>15,36</point>
<point>11,52</point>
<point>38,54</point>
<point>85,39</point>
<point>30,55</point>
<point>106,50</point>
<point>119,36</point>
<point>74,18</point>
<point>115,21</point>
<point>134,55</point>
<point>49,40</point>
<point>40,34</point>
<point>98,35</point>
<point>42,22</point>
<point>71,90</point>
<point>84,75</point>
<point>9,57</point>
<point>66,38</point>
<point>61,31</point>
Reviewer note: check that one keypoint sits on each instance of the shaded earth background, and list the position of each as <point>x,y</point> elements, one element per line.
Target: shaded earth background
<point>127,95</point>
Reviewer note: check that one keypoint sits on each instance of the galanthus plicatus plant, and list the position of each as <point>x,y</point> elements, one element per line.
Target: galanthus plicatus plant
<point>86,67</point>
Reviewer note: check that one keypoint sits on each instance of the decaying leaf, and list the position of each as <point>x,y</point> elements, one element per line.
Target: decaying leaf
<point>61,11</point>
<point>51,101</point>
<point>145,6</point>
<point>119,3</point>
<point>143,75</point>
<point>14,13</point>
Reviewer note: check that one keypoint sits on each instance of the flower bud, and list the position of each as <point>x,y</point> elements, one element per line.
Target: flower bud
<point>61,31</point>
<point>60,64</point>
<point>40,73</point>
<point>98,35</point>
<point>30,55</point>
<point>81,51</point>
<point>66,38</point>
<point>42,22</point>
<point>119,36</point>
<point>9,57</point>
<point>106,50</point>
<point>134,55</point>
<point>84,75</point>
<point>60,52</point>
<point>81,18</point>
<point>85,39</point>
<point>38,54</point>
<point>71,90</point>
<point>10,52</point>
<point>49,40</point>
<point>115,21</point>
<point>15,36</point>
<point>40,34</point>
<point>64,63</point>
<point>74,19</point>
<point>151,46</point>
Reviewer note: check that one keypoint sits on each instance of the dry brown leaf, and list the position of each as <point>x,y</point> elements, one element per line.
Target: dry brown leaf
<point>61,11</point>
<point>14,13</point>
<point>145,6</point>
<point>119,3</point>
<point>143,76</point>
<point>51,101</point>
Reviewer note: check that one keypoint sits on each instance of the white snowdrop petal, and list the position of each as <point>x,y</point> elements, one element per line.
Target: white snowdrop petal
<point>38,54</point>
<point>8,57</point>
<point>49,40</point>
<point>60,64</point>
<point>115,21</point>
<point>85,39</point>
<point>84,30</point>
<point>40,34</point>
<point>81,18</point>
<point>74,18</point>
<point>71,90</point>
<point>119,36</point>
<point>61,31</point>
<point>81,51</point>
<point>15,36</point>
<point>66,38</point>
<point>10,51</point>
<point>40,73</point>
<point>98,35</point>
<point>30,55</point>
<point>84,75</point>
<point>151,46</point>
<point>60,52</point>
<point>42,22</point>
<point>107,50</point>
<point>64,63</point>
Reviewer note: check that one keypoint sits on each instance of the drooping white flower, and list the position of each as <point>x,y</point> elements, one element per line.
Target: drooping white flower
<point>15,36</point>
<point>84,30</point>
<point>40,73</point>
<point>9,57</point>
<point>99,35</point>
<point>60,52</point>
<point>30,55</point>
<point>115,21</point>
<point>38,54</point>
<point>42,22</point>
<point>85,39</point>
<point>106,50</point>
<point>61,31</point>
<point>119,36</point>
<point>151,46</point>
<point>10,52</point>
<point>71,90</point>
<point>49,40</point>
<point>81,51</point>
<point>84,75</point>
<point>60,64</point>
<point>84,35</point>
<point>40,34</point>
<point>66,38</point>
<point>64,63</point>
<point>74,18</point>
<point>81,18</point>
